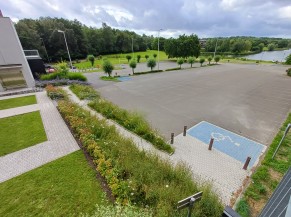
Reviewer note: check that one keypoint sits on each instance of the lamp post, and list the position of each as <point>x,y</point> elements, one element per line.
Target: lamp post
<point>159,48</point>
<point>67,48</point>
<point>132,48</point>
<point>45,50</point>
<point>215,47</point>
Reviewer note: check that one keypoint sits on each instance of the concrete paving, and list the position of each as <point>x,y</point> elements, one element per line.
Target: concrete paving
<point>250,100</point>
<point>60,142</point>
<point>94,77</point>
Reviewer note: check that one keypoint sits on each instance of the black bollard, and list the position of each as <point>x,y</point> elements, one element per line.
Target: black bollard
<point>185,129</point>
<point>247,163</point>
<point>210,144</point>
<point>172,138</point>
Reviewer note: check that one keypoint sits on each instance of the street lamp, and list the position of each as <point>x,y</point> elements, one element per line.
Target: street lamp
<point>67,47</point>
<point>159,48</point>
<point>45,49</point>
<point>132,48</point>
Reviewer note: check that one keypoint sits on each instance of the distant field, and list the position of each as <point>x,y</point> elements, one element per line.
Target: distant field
<point>121,58</point>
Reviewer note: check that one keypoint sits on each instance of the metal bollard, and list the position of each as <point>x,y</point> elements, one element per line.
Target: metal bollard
<point>210,144</point>
<point>185,129</point>
<point>247,163</point>
<point>172,138</point>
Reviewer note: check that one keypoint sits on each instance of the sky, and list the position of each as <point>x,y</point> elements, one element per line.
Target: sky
<point>206,18</point>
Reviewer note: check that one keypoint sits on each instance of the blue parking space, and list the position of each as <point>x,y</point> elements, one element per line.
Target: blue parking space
<point>227,142</point>
<point>124,78</point>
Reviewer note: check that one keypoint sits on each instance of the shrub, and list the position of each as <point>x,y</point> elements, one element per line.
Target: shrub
<point>180,61</point>
<point>201,60</point>
<point>91,58</point>
<point>76,76</point>
<point>128,57</point>
<point>151,63</point>
<point>147,72</point>
<point>243,208</point>
<point>146,56</point>
<point>138,58</point>
<point>55,93</point>
<point>84,92</point>
<point>134,176</point>
<point>191,60</point>
<point>132,65</point>
<point>288,72</point>
<point>155,55</point>
<point>173,69</point>
<point>217,59</point>
<point>288,60</point>
<point>62,68</point>
<point>70,75</point>
<point>107,67</point>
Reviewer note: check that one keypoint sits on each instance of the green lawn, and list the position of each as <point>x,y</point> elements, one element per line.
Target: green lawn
<point>121,58</point>
<point>21,131</point>
<point>64,187</point>
<point>17,102</point>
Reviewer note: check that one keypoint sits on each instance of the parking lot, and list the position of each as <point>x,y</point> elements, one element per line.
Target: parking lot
<point>249,100</point>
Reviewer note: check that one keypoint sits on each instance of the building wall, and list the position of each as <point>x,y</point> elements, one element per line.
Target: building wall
<point>11,51</point>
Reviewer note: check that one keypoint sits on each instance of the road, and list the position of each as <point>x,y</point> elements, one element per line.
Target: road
<point>250,100</point>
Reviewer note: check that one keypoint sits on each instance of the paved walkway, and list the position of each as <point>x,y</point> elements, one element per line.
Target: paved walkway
<point>223,172</point>
<point>60,141</point>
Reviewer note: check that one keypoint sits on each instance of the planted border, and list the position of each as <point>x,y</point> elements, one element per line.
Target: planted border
<point>267,176</point>
<point>136,177</point>
<point>130,120</point>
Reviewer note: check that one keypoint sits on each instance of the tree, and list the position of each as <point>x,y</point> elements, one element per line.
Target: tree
<point>128,57</point>
<point>201,60</point>
<point>151,63</point>
<point>271,47</point>
<point>217,58</point>
<point>132,65</point>
<point>288,60</point>
<point>180,61</point>
<point>107,67</point>
<point>91,58</point>
<point>138,58</point>
<point>191,60</point>
<point>209,59</point>
<point>155,55</point>
<point>184,46</point>
<point>146,56</point>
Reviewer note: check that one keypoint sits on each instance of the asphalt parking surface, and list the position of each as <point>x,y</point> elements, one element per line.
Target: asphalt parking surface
<point>250,100</point>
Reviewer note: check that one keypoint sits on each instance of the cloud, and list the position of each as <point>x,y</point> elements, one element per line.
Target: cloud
<point>204,18</point>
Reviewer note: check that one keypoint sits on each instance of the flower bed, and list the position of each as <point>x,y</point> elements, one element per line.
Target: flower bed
<point>136,177</point>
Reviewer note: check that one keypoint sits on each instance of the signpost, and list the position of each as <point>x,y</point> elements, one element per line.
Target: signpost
<point>189,202</point>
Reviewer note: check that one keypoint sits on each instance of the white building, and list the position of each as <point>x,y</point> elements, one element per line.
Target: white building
<point>14,69</point>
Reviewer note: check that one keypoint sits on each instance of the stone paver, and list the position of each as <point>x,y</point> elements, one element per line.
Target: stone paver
<point>222,171</point>
<point>19,110</point>
<point>60,143</point>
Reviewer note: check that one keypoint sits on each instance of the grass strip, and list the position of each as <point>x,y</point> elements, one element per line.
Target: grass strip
<point>21,131</point>
<point>17,102</point>
<point>136,177</point>
<point>268,175</point>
